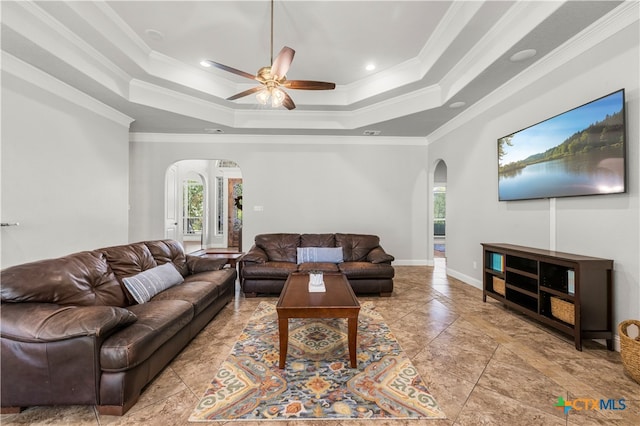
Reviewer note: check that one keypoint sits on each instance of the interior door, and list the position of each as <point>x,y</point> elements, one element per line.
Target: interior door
<point>171,222</point>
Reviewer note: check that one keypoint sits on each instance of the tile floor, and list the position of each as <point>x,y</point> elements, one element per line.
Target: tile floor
<point>483,363</point>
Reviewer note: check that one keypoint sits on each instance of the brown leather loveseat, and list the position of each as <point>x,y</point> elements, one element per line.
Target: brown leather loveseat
<point>266,266</point>
<point>87,329</point>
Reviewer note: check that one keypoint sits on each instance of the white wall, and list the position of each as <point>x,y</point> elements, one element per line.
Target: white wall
<point>303,184</point>
<point>64,169</point>
<point>605,226</point>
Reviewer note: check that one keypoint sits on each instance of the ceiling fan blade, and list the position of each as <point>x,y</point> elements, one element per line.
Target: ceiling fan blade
<point>282,62</point>
<point>230,69</point>
<point>245,93</point>
<point>288,102</point>
<point>308,85</point>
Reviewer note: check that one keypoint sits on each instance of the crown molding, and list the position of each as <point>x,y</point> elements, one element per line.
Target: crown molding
<point>275,139</point>
<point>521,18</point>
<point>56,39</point>
<point>609,25</point>
<point>44,81</point>
<point>454,21</point>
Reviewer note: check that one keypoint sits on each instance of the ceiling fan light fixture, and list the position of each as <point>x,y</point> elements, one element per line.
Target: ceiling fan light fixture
<point>272,77</point>
<point>277,97</point>
<point>263,96</point>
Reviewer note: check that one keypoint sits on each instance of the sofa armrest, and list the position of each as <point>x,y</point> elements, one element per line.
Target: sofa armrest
<point>378,255</point>
<point>45,322</point>
<point>255,255</point>
<point>199,264</point>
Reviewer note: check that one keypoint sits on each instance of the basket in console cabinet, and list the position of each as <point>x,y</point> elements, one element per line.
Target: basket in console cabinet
<point>499,286</point>
<point>563,310</point>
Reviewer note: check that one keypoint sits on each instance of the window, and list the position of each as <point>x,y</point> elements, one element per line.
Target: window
<point>439,210</point>
<point>219,205</point>
<point>193,207</point>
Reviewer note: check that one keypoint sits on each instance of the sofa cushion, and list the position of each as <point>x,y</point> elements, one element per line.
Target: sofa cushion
<point>199,264</point>
<point>319,254</point>
<point>158,322</point>
<point>355,247</point>
<point>46,322</point>
<point>378,255</point>
<point>317,240</point>
<point>360,270</point>
<point>201,290</point>
<point>255,255</point>
<point>128,260</point>
<point>269,270</point>
<point>279,247</point>
<point>146,284</point>
<point>164,251</point>
<point>78,279</point>
<point>318,266</point>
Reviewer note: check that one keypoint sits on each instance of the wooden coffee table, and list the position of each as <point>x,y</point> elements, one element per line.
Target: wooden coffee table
<point>338,301</point>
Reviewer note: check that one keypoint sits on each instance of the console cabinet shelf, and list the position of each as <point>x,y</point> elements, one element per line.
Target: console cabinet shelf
<point>569,292</point>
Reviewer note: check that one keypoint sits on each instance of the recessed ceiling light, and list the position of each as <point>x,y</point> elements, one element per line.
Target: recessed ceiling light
<point>154,35</point>
<point>370,67</point>
<point>458,104</point>
<point>523,55</point>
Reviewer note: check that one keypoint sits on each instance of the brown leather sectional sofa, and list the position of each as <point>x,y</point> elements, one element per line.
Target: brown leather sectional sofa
<point>266,266</point>
<point>72,335</point>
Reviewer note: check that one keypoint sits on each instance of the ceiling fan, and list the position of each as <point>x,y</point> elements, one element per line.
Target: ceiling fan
<point>273,78</point>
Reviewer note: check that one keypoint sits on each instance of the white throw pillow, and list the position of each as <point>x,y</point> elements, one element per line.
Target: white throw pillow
<point>147,284</point>
<point>319,254</point>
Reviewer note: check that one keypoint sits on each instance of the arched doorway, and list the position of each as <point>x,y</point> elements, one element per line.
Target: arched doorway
<point>203,203</point>
<point>439,209</point>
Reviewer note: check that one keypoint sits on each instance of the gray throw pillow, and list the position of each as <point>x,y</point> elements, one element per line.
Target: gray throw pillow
<point>319,254</point>
<point>147,284</point>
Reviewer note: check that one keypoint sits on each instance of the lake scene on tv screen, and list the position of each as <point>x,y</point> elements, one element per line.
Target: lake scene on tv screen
<point>579,152</point>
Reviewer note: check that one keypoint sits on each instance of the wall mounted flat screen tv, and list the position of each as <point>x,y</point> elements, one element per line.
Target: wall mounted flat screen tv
<point>579,152</point>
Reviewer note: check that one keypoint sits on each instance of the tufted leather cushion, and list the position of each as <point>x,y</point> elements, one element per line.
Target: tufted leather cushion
<point>164,251</point>
<point>128,260</point>
<point>317,240</point>
<point>279,247</point>
<point>355,247</point>
<point>78,279</point>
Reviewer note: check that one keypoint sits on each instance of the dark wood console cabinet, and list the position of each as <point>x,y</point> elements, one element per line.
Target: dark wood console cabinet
<point>530,280</point>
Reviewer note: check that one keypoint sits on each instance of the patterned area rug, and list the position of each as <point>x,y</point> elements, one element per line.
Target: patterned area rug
<point>317,382</point>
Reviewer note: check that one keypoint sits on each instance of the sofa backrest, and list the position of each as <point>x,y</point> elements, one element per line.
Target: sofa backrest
<point>283,247</point>
<point>279,247</point>
<point>91,277</point>
<point>317,240</point>
<point>164,251</point>
<point>356,247</point>
<point>129,259</point>
<point>83,279</point>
